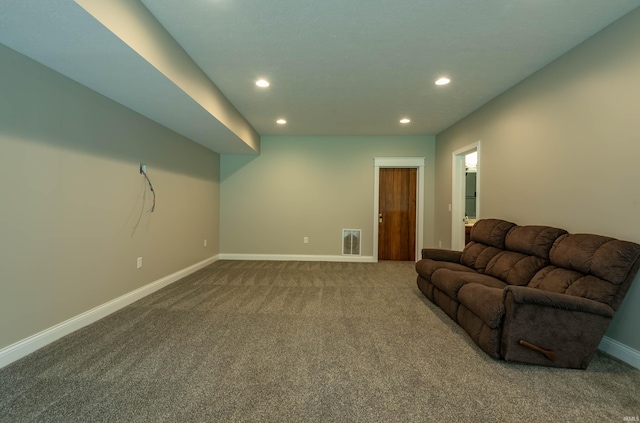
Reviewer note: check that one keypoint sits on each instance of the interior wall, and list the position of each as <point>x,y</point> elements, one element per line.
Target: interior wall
<point>75,215</point>
<point>561,149</point>
<point>310,187</point>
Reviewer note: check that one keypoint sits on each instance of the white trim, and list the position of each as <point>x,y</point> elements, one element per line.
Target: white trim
<point>457,193</point>
<point>620,351</point>
<point>28,345</point>
<point>296,257</point>
<point>397,162</point>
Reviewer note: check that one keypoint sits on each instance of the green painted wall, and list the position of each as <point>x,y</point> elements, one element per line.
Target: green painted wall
<point>313,187</point>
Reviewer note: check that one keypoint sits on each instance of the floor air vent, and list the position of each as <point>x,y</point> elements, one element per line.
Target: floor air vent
<point>351,242</point>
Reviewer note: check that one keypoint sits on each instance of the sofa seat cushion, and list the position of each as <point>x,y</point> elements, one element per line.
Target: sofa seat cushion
<point>449,281</point>
<point>426,267</point>
<point>484,301</point>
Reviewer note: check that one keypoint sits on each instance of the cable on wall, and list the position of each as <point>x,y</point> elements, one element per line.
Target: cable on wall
<point>144,173</point>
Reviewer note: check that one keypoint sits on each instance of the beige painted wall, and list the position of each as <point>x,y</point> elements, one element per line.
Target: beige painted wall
<point>562,149</point>
<point>313,187</point>
<point>71,196</point>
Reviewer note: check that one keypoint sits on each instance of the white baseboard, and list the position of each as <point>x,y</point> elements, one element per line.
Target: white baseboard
<point>620,351</point>
<point>297,257</point>
<point>28,345</point>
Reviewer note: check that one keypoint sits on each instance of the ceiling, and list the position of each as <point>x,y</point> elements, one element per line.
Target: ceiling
<point>337,68</point>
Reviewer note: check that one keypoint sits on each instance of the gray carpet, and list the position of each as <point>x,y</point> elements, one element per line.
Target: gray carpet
<point>298,342</point>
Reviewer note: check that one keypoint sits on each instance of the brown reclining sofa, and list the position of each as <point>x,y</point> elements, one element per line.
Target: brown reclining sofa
<point>532,294</point>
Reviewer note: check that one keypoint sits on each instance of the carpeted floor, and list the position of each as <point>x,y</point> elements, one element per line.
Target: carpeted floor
<point>298,342</point>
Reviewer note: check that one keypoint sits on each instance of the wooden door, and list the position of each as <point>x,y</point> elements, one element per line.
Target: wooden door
<point>397,214</point>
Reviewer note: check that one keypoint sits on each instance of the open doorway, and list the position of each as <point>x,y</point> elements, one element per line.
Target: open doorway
<point>465,199</point>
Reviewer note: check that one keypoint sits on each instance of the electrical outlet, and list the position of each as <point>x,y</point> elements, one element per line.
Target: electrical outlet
<point>305,240</point>
<point>205,242</point>
<point>139,263</point>
<point>449,207</point>
<point>439,244</point>
<point>143,168</point>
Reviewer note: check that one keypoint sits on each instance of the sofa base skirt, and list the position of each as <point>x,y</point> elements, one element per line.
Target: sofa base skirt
<point>487,338</point>
<point>426,288</point>
<point>446,304</point>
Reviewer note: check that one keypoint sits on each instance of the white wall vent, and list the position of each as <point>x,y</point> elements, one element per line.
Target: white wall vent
<point>351,241</point>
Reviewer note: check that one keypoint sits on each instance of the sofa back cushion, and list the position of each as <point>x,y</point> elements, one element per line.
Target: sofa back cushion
<point>606,258</point>
<point>487,240</point>
<point>590,266</point>
<point>477,255</point>
<point>533,240</point>
<point>491,232</point>
<point>514,268</point>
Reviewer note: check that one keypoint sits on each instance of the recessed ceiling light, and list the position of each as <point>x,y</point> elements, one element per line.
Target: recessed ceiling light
<point>262,83</point>
<point>281,121</point>
<point>443,81</point>
<point>405,120</point>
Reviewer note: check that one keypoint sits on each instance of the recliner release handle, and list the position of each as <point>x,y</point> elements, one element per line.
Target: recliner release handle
<point>551,355</point>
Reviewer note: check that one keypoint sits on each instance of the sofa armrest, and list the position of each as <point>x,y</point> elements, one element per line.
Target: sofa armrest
<point>539,297</point>
<point>551,329</point>
<point>439,254</point>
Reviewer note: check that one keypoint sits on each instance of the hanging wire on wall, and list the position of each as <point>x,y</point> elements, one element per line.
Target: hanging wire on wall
<point>153,206</point>
<point>147,187</point>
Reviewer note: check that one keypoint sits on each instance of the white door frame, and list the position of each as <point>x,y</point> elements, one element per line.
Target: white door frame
<point>458,193</point>
<point>399,162</point>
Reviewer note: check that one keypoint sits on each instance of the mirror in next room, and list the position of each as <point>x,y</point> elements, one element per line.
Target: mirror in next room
<point>470,196</point>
